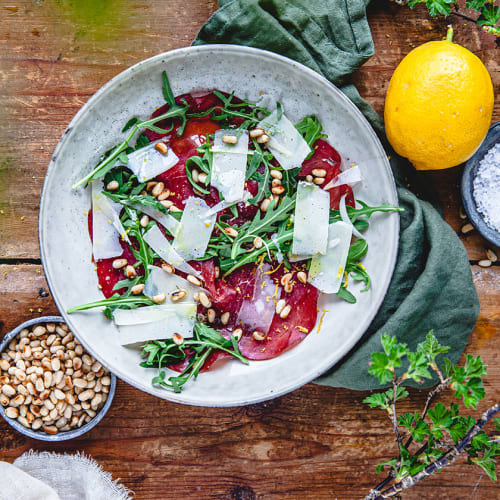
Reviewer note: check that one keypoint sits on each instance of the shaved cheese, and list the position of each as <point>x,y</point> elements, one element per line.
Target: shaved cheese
<point>257,313</point>
<point>326,271</point>
<point>148,162</point>
<point>286,143</point>
<point>222,205</point>
<point>229,165</point>
<point>160,281</point>
<point>195,229</point>
<point>166,220</point>
<point>297,258</point>
<point>155,322</point>
<point>106,225</point>
<point>312,212</point>
<point>350,176</point>
<point>155,239</point>
<point>345,217</point>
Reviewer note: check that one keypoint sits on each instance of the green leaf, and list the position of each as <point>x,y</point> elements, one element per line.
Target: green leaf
<point>311,129</point>
<point>380,367</point>
<point>490,14</point>
<point>439,7</point>
<point>167,90</point>
<point>474,4</point>
<point>130,123</point>
<point>417,369</point>
<point>487,462</point>
<point>431,348</point>
<point>377,400</point>
<point>346,295</point>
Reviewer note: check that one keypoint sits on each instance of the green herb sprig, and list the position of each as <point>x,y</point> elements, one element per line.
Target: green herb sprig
<point>488,14</point>
<point>164,353</point>
<point>432,439</point>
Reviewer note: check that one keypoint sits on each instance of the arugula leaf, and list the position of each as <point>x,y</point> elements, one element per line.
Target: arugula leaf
<point>262,225</point>
<point>311,129</point>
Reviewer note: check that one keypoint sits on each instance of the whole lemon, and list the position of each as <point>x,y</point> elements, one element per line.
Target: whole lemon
<point>438,106</point>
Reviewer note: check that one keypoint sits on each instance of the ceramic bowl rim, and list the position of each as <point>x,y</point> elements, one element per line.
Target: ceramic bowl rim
<point>43,436</point>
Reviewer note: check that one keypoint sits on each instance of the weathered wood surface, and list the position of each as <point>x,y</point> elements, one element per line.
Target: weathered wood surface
<point>317,442</point>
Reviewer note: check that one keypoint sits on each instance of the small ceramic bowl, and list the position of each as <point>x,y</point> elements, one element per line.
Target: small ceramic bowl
<point>470,171</point>
<point>62,436</point>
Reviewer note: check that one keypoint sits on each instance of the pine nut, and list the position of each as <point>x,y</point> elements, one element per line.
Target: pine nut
<point>51,327</point>
<point>144,221</point>
<point>211,315</point>
<point>12,412</point>
<point>39,331</point>
<point>280,305</point>
<point>278,190</point>
<point>319,172</point>
<point>302,277</point>
<point>4,365</point>
<point>119,263</point>
<point>286,278</point>
<point>259,336</point>
<point>288,287</point>
<point>137,289</point>
<point>309,178</point>
<point>163,196</point>
<point>491,255</point>
<point>161,147</point>
<point>257,242</point>
<point>130,272</point>
<point>55,364</point>
<point>158,189</point>
<point>177,338</point>
<point>168,268</point>
<point>80,382</point>
<point>230,139</point>
<point>467,228</point>
<point>159,299</point>
<point>275,183</point>
<point>193,280</point>
<point>204,300</point>
<point>224,319</point>
<point>263,139</point>
<point>285,312</point>
<point>265,204</point>
<point>51,429</point>
<point>462,213</point>
<point>276,174</point>
<point>202,178</point>
<point>86,395</point>
<point>484,263</point>
<point>177,295</point>
<point>195,175</point>
<point>8,390</point>
<point>238,333</point>
<point>106,380</point>
<point>256,132</point>
<point>168,204</point>
<point>319,180</point>
<point>23,421</point>
<point>4,400</point>
<point>112,186</point>
<point>230,231</point>
<point>150,185</point>
<point>217,271</point>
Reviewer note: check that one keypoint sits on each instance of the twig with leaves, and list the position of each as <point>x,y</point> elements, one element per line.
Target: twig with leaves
<point>442,433</point>
<point>487,13</point>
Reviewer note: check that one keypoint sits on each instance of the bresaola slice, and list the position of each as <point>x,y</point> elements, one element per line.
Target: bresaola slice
<point>284,333</point>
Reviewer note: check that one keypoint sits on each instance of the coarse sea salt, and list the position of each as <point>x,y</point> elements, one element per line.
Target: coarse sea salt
<point>486,190</point>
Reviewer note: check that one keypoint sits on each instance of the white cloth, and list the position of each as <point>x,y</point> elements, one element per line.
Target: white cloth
<point>51,476</point>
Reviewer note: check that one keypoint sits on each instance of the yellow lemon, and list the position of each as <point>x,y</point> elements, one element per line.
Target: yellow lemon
<point>438,106</point>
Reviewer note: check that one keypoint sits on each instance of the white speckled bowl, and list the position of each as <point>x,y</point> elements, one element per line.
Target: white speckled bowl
<point>66,247</point>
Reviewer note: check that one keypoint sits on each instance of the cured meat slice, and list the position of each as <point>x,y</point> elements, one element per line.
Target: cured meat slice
<point>326,157</point>
<point>284,333</point>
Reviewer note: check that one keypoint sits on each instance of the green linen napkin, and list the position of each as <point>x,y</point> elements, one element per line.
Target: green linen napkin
<point>432,285</point>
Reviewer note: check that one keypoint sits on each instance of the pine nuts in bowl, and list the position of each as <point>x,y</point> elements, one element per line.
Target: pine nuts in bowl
<point>50,388</point>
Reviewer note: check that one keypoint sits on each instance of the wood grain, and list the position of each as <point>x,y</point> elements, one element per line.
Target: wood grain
<point>317,442</point>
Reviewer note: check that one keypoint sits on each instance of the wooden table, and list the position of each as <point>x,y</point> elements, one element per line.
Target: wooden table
<point>316,442</point>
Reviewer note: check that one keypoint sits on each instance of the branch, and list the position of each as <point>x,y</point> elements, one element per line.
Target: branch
<point>447,459</point>
<point>430,398</point>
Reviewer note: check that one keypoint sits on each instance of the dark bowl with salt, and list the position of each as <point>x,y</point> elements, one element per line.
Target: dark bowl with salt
<point>481,187</point>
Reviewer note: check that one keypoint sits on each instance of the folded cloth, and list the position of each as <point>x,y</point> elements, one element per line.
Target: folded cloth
<point>432,285</point>
<point>50,476</point>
